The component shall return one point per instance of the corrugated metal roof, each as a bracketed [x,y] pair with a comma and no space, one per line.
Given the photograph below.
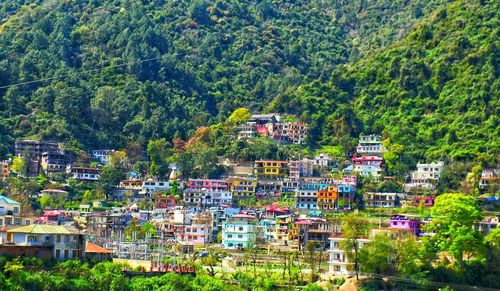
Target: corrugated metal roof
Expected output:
[44,229]
[8,200]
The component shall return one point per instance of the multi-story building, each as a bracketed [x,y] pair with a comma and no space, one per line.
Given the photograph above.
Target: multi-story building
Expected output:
[5,169]
[490,180]
[127,188]
[198,232]
[33,149]
[102,156]
[107,225]
[306,199]
[268,189]
[375,199]
[56,161]
[208,184]
[243,188]
[240,231]
[370,145]
[339,263]
[368,166]
[45,241]
[301,168]
[206,198]
[264,169]
[247,130]
[323,160]
[404,223]
[83,173]
[290,132]
[425,178]
[327,198]
[346,196]
[10,213]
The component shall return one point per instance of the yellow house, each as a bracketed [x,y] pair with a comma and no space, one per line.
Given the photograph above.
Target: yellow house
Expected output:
[271,169]
[242,187]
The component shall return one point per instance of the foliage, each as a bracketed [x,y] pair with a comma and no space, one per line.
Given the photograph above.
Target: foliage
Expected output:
[454,218]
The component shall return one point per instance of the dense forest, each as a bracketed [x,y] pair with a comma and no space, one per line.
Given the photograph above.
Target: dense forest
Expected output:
[422,73]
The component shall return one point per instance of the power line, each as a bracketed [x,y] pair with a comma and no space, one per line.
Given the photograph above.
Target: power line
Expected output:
[95,70]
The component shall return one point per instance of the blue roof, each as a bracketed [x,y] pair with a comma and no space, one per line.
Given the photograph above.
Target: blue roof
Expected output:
[8,200]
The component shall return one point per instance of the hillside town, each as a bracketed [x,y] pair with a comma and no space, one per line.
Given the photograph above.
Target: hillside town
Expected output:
[289,205]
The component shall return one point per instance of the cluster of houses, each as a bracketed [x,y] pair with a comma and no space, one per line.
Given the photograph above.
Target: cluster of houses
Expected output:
[271,126]
[195,212]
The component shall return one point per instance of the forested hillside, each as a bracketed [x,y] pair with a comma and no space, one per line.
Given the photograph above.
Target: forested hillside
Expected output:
[435,93]
[425,73]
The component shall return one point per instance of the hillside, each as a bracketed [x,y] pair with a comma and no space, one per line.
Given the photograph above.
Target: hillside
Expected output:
[435,92]
[139,70]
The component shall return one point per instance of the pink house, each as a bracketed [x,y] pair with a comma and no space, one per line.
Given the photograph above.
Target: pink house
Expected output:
[402,222]
[208,184]
[428,200]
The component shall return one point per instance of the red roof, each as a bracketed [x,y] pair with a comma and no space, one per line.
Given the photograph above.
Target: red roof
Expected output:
[367,158]
[93,248]
[303,222]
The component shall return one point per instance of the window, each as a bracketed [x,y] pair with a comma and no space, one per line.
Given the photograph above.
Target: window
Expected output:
[58,239]
[66,254]
[1,221]
[240,236]
[16,210]
[58,253]
[240,228]
[229,236]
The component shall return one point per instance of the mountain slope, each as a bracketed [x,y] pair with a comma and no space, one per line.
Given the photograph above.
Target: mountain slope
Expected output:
[436,92]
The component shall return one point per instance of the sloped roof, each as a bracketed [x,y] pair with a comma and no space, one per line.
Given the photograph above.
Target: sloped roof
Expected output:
[44,229]
[93,248]
[8,200]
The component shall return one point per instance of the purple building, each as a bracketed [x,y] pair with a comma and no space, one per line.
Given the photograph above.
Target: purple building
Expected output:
[208,184]
[401,222]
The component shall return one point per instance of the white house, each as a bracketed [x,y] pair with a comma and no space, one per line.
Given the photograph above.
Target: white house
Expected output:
[338,262]
[426,177]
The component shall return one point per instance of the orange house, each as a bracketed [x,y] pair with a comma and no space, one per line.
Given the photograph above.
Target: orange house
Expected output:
[327,199]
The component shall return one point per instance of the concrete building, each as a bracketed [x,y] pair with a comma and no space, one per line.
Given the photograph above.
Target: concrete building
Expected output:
[301,168]
[425,178]
[306,199]
[370,145]
[83,173]
[368,166]
[338,262]
[64,242]
[102,156]
[265,169]
[33,149]
[376,199]
[240,231]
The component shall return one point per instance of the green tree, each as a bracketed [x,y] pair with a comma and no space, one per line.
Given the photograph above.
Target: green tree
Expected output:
[159,151]
[454,216]
[20,166]
[354,228]
[239,116]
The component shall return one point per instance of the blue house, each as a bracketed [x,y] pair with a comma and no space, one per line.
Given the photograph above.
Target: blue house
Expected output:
[239,231]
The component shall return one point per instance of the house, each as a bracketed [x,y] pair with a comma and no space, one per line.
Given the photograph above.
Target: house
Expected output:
[427,200]
[102,156]
[327,198]
[55,217]
[164,201]
[338,263]
[404,223]
[323,160]
[108,225]
[83,173]
[33,149]
[370,145]
[63,242]
[247,130]
[301,168]
[265,118]
[306,199]
[372,199]
[240,231]
[490,180]
[368,166]
[208,184]
[290,132]
[97,253]
[268,189]
[197,232]
[273,170]
[5,168]
[56,161]
[425,178]
[242,188]
[150,186]
[127,188]
[346,194]
[10,215]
